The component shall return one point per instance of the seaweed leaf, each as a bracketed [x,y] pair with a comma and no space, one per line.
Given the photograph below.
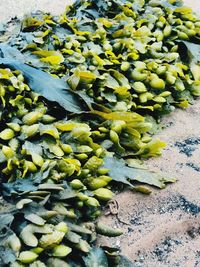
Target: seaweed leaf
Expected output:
[191,53]
[19,187]
[124,116]
[53,89]
[96,258]
[7,256]
[120,172]
[52,57]
[124,262]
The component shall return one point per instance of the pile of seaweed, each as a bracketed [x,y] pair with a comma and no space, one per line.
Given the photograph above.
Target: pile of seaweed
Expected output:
[81,95]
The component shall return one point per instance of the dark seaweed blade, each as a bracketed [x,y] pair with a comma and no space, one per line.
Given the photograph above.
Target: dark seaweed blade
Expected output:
[7,255]
[190,54]
[189,51]
[7,51]
[53,89]
[125,262]
[18,187]
[96,258]
[120,172]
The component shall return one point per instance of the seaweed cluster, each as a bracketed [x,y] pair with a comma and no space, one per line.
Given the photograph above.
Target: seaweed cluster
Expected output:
[80,96]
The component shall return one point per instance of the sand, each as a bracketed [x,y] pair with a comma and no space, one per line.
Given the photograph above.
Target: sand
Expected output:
[162,229]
